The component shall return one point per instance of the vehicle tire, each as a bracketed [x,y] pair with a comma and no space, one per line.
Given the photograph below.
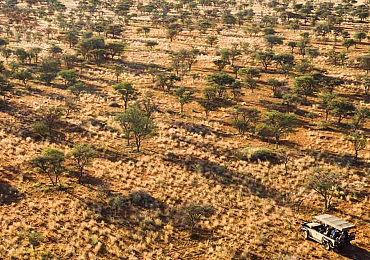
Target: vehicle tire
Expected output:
[306,235]
[327,245]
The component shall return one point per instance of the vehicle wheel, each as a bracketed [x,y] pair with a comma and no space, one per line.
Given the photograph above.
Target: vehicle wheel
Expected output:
[327,245]
[306,235]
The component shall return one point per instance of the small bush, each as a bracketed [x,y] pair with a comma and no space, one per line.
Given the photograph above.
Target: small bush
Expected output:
[311,115]
[117,203]
[258,153]
[40,129]
[188,216]
[8,193]
[143,199]
[322,125]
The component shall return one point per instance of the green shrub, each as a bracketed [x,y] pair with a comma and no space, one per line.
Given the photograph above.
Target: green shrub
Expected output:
[263,131]
[40,129]
[143,199]
[258,153]
[322,125]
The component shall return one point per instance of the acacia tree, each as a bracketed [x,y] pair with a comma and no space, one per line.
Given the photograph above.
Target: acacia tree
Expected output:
[71,38]
[324,183]
[48,70]
[265,58]
[184,96]
[276,86]
[21,54]
[115,48]
[358,141]
[304,85]
[250,83]
[34,53]
[127,91]
[183,60]
[360,117]
[171,34]
[220,82]
[221,64]
[280,124]
[208,101]
[23,75]
[359,36]
[364,61]
[326,99]
[118,70]
[272,40]
[347,43]
[136,121]
[69,77]
[50,162]
[82,156]
[151,44]
[244,117]
[49,120]
[211,40]
[341,108]
[192,214]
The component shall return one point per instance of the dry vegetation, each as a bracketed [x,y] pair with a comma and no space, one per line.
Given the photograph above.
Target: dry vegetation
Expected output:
[125,207]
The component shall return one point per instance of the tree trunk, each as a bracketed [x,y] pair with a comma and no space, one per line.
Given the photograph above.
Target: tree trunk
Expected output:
[52,181]
[128,139]
[80,176]
[326,203]
[137,144]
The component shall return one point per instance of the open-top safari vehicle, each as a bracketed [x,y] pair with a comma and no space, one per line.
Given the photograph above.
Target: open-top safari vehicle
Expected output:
[330,231]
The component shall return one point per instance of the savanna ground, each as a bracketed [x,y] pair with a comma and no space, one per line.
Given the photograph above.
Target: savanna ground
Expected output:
[190,160]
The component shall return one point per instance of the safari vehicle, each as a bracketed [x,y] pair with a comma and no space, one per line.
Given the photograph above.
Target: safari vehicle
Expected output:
[330,231]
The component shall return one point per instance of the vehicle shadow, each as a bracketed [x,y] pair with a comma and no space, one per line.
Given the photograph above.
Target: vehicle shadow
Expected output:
[354,252]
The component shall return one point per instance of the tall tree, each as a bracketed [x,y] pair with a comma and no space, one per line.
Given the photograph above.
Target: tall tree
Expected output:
[127,91]
[324,183]
[280,124]
[50,162]
[82,156]
[358,141]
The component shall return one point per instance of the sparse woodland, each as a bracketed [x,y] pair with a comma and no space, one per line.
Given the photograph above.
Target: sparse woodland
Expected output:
[182,129]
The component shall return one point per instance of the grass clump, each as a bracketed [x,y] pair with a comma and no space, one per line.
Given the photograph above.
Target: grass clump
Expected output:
[258,154]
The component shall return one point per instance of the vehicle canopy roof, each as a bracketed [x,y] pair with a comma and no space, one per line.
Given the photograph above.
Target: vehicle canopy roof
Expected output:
[334,222]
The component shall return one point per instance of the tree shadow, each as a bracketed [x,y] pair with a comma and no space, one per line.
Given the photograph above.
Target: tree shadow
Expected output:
[57,86]
[94,88]
[119,209]
[225,177]
[9,194]
[113,155]
[289,143]
[338,159]
[200,129]
[269,105]
[87,179]
[142,66]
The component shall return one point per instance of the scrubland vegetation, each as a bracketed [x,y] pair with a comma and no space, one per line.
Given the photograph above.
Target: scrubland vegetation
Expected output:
[183,129]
